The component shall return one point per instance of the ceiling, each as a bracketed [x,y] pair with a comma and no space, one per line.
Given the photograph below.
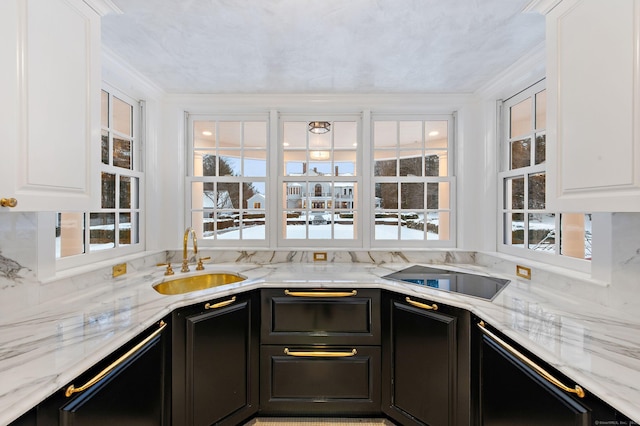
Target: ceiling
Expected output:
[328,46]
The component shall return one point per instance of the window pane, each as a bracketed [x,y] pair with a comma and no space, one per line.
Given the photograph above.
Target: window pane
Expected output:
[255,164]
[227,225]
[319,168]
[320,143]
[105,147]
[344,225]
[108,191]
[122,153]
[227,196]
[386,226]
[294,134]
[520,154]
[203,223]
[514,229]
[102,231]
[412,196]
[295,225]
[438,226]
[255,134]
[514,193]
[229,134]
[128,192]
[253,196]
[537,191]
[575,233]
[204,163]
[438,195]
[520,119]
[542,232]
[385,163]
[70,234]
[387,195]
[124,228]
[132,228]
[411,163]
[345,135]
[410,134]
[319,225]
[541,110]
[541,148]
[204,134]
[344,163]
[104,109]
[435,163]
[229,163]
[411,227]
[122,117]
[436,134]
[345,195]
[385,134]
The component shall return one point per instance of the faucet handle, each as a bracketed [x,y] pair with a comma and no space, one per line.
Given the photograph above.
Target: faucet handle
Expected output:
[169,270]
[200,266]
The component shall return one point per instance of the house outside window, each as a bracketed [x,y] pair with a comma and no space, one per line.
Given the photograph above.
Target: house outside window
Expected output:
[402,195]
[116,228]
[527,227]
[320,176]
[414,187]
[227,178]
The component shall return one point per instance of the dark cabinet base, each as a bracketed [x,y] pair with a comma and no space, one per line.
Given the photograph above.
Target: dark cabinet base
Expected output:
[309,385]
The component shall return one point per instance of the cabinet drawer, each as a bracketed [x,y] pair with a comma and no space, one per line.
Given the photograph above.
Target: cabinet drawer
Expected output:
[311,380]
[321,317]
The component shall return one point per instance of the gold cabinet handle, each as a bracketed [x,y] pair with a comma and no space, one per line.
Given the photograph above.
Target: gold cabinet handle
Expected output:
[577,390]
[220,304]
[332,354]
[432,307]
[8,202]
[72,389]
[321,293]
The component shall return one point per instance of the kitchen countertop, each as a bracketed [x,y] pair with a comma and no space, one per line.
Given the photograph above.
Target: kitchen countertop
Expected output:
[45,345]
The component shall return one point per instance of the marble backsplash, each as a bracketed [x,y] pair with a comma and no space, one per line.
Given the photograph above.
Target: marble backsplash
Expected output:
[20,286]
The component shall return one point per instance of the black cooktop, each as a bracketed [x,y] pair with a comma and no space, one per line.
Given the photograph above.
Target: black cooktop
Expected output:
[459,282]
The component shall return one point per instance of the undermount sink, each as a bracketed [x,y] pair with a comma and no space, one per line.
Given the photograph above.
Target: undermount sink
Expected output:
[183,285]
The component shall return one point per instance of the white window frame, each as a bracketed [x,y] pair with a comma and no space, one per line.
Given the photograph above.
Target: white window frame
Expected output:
[365,203]
[450,178]
[190,179]
[504,173]
[358,241]
[138,172]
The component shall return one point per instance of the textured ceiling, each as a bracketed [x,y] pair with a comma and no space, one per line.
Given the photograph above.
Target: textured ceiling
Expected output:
[328,46]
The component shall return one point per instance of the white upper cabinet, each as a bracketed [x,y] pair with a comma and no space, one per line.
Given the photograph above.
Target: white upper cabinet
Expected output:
[50,109]
[593,84]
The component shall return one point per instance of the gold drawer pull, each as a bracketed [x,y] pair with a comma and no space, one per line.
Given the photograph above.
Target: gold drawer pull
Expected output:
[432,307]
[220,304]
[577,390]
[321,293]
[71,389]
[320,353]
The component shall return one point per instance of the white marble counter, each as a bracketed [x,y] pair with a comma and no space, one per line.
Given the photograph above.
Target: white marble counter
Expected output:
[45,342]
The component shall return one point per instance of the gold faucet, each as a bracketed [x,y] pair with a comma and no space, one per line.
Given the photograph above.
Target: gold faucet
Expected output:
[185,259]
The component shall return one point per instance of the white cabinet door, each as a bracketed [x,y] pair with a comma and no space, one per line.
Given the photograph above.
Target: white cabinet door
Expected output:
[594,106]
[50,109]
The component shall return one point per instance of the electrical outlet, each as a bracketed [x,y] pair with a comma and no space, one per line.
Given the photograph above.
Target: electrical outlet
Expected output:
[119,269]
[523,272]
[320,256]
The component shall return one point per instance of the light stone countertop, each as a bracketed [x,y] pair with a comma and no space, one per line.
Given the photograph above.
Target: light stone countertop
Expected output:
[45,345]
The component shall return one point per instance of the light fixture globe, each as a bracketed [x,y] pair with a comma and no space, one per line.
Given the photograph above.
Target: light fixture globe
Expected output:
[319,127]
